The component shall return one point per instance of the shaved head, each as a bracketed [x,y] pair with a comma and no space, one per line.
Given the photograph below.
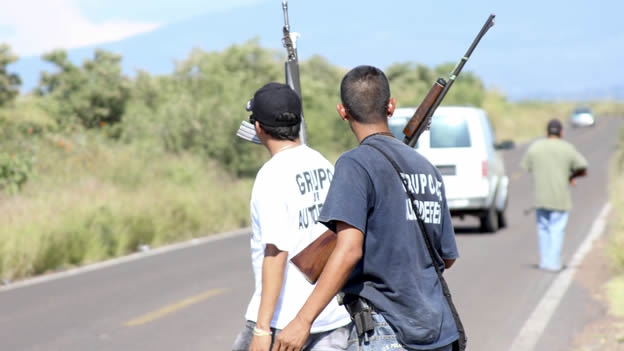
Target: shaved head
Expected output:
[365,93]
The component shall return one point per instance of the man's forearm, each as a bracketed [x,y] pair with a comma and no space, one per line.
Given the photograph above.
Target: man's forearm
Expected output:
[345,256]
[273,267]
[448,263]
[578,173]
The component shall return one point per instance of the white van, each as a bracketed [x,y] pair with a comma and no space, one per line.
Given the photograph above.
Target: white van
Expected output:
[462,145]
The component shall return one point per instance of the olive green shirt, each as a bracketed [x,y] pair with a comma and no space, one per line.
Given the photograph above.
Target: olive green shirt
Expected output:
[551,162]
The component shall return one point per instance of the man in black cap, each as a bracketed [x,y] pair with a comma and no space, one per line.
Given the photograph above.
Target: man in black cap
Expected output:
[554,164]
[287,196]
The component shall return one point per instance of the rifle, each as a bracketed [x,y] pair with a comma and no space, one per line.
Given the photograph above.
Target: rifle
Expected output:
[312,259]
[246,130]
[421,120]
[291,66]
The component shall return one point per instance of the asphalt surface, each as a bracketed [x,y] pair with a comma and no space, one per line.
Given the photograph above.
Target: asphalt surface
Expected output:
[194,298]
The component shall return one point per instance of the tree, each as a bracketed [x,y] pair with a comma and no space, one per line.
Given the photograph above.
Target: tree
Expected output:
[9,82]
[409,82]
[207,105]
[320,82]
[468,89]
[93,95]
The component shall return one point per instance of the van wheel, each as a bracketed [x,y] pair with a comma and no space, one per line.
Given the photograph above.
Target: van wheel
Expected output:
[489,220]
[502,220]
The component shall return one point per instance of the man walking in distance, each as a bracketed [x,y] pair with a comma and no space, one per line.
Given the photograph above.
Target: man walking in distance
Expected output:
[554,163]
[287,195]
[381,265]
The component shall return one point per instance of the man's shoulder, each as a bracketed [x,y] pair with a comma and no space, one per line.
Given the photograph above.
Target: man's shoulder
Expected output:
[362,154]
[301,156]
[416,159]
[266,175]
[352,155]
[544,144]
[407,158]
[312,151]
[309,149]
[565,146]
[568,144]
[536,144]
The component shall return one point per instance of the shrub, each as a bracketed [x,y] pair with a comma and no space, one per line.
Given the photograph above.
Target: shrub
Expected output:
[15,169]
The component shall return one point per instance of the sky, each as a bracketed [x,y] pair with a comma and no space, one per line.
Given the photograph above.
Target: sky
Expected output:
[32,27]
[536,47]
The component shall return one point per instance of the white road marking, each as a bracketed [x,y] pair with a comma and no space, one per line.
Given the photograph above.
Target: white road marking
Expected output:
[534,326]
[120,260]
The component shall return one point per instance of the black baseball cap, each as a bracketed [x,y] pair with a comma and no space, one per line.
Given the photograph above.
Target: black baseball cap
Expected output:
[554,127]
[271,101]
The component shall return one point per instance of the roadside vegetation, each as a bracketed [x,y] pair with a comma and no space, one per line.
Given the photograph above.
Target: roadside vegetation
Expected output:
[615,287]
[95,164]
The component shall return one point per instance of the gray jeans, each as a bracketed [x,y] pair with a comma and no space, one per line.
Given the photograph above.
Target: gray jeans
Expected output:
[382,338]
[333,340]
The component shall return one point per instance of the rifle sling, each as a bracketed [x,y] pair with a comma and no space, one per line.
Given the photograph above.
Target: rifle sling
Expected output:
[460,344]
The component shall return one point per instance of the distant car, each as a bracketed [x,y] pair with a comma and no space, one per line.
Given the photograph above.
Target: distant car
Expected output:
[582,117]
[462,145]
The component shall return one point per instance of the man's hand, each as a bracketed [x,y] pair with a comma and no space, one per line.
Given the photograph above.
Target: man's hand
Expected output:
[582,172]
[294,336]
[260,343]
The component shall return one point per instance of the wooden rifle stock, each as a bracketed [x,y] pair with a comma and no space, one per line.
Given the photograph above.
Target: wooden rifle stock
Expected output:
[312,259]
[419,121]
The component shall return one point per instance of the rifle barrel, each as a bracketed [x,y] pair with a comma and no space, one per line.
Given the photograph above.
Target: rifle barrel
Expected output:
[285,9]
[487,25]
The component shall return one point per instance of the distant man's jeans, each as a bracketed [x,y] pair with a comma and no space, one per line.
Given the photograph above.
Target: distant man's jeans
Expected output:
[551,227]
[333,340]
[382,338]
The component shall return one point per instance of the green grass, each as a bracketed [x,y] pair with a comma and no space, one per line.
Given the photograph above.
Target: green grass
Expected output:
[616,224]
[99,200]
[615,294]
[615,249]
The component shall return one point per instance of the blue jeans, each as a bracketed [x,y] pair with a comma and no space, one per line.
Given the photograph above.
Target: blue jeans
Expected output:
[332,340]
[382,338]
[550,232]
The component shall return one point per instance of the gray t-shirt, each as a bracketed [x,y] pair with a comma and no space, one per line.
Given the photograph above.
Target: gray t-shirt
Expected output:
[396,273]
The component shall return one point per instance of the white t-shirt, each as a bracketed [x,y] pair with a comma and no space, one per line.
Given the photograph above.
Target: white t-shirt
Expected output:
[286,199]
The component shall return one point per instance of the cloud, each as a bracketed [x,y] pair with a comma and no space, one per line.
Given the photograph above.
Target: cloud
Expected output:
[166,11]
[33,27]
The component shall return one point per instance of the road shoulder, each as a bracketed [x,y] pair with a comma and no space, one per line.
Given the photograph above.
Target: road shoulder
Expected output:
[605,331]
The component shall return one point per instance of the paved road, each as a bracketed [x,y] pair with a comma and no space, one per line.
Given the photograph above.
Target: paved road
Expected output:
[194,298]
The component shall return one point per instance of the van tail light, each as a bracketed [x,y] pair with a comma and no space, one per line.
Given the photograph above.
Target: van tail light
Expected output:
[484,169]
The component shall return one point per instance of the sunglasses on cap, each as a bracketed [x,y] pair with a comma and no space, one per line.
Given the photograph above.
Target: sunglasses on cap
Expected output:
[249,108]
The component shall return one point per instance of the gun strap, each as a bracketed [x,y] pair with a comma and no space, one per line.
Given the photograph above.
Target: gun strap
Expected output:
[460,344]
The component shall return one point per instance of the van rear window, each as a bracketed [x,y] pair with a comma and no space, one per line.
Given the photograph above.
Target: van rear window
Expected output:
[396,126]
[449,131]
